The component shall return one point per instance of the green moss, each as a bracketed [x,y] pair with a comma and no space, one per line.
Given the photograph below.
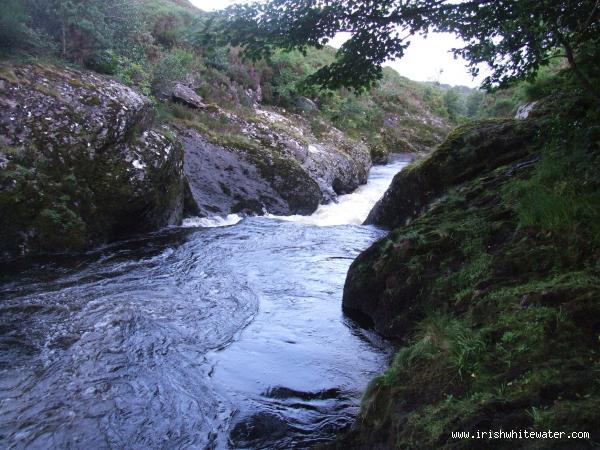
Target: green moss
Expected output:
[47,90]
[91,100]
[69,198]
[81,84]
[493,289]
[7,73]
[10,150]
[60,228]
[379,150]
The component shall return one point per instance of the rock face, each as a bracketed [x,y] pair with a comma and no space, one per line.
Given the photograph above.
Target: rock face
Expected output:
[77,169]
[222,181]
[467,153]
[268,163]
[336,163]
[416,130]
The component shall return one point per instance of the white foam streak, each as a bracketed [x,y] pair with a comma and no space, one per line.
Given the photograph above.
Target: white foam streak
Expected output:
[351,209]
[211,222]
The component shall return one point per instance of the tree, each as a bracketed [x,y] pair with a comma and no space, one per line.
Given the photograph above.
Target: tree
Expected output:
[454,104]
[475,102]
[82,27]
[14,29]
[513,37]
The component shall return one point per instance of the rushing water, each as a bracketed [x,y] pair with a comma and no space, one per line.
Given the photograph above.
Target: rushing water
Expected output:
[225,333]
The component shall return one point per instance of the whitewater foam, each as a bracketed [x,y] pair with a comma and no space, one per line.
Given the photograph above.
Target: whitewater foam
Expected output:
[353,209]
[211,222]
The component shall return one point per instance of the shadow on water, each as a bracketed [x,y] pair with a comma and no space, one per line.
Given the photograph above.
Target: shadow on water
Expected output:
[193,337]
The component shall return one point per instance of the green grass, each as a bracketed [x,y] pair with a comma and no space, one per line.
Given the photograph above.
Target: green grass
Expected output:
[440,337]
[562,196]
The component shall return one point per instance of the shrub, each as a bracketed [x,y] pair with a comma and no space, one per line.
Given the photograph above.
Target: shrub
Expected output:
[175,65]
[103,62]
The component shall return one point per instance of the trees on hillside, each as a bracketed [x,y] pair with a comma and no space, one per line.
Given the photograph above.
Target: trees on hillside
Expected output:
[75,29]
[81,27]
[513,37]
[14,30]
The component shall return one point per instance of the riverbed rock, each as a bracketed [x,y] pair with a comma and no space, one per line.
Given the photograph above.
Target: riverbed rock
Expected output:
[337,163]
[78,169]
[222,182]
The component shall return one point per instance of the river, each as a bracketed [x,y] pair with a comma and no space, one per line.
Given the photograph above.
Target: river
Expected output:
[222,333]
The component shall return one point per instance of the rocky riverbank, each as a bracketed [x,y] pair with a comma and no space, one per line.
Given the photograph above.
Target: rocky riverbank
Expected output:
[489,280]
[81,162]
[85,160]
[265,162]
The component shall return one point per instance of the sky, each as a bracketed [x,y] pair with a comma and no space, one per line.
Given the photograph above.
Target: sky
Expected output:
[425,60]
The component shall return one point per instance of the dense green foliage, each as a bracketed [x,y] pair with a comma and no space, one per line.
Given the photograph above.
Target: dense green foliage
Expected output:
[154,43]
[14,31]
[513,37]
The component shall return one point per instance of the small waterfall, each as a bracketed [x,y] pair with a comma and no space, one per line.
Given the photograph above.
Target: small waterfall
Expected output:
[350,209]
[353,209]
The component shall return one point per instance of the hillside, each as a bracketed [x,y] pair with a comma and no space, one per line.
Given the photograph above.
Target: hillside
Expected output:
[252,138]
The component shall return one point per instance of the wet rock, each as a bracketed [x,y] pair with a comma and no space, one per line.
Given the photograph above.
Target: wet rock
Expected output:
[221,181]
[258,429]
[78,169]
[282,392]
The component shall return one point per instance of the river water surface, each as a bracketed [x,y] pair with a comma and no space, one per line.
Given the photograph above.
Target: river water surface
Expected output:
[223,333]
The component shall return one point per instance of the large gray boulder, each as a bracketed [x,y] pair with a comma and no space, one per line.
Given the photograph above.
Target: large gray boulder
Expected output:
[222,181]
[77,169]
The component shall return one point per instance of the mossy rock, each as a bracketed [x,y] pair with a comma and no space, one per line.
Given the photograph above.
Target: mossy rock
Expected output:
[76,167]
[497,318]
[467,151]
